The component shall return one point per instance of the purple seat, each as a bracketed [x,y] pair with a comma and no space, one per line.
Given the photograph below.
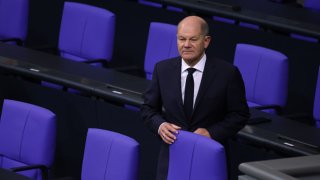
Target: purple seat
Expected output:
[249,25]
[159,5]
[27,137]
[86,33]
[312,4]
[162,44]
[150,3]
[316,107]
[110,155]
[14,21]
[265,75]
[304,38]
[224,19]
[195,157]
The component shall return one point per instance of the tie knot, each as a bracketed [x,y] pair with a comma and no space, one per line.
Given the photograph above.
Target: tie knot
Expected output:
[191,70]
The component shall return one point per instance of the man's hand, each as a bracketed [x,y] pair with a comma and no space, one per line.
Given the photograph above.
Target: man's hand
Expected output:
[168,131]
[203,132]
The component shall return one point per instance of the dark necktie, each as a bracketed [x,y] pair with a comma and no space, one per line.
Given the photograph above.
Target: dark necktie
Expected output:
[188,94]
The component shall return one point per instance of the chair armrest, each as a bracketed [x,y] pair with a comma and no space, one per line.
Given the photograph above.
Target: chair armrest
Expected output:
[95,61]
[18,41]
[43,168]
[265,107]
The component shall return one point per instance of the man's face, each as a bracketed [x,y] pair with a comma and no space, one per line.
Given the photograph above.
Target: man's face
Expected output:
[191,42]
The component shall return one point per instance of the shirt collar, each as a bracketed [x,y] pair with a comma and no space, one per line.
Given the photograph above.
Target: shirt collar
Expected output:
[199,66]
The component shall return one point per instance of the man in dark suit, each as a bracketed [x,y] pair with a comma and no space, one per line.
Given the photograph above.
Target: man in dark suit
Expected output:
[218,105]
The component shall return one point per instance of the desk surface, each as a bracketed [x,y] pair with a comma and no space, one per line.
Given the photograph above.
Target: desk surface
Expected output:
[9,175]
[106,83]
[282,135]
[268,14]
[305,167]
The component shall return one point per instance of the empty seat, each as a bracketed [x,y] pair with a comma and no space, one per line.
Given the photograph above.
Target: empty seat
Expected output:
[265,75]
[162,44]
[27,138]
[110,155]
[14,21]
[86,33]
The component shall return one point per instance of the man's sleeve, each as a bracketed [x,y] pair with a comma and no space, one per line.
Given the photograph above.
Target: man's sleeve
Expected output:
[237,110]
[152,106]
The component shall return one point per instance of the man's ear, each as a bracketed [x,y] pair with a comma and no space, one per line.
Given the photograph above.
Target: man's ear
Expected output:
[207,40]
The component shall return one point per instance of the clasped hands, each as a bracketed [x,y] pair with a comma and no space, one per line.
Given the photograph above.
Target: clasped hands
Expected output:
[168,131]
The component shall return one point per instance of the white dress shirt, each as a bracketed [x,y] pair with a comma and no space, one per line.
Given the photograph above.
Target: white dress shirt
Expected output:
[197,76]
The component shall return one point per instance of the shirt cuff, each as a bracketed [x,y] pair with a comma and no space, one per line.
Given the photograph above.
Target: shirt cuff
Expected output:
[159,127]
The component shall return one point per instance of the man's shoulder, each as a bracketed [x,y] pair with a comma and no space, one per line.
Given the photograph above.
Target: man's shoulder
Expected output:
[221,64]
[169,62]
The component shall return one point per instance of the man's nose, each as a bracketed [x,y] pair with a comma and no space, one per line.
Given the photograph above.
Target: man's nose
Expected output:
[187,43]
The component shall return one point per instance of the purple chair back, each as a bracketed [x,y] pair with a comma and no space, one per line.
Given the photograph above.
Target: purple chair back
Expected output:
[14,19]
[194,157]
[110,155]
[150,3]
[86,32]
[312,4]
[224,19]
[159,5]
[265,74]
[27,136]
[316,107]
[162,44]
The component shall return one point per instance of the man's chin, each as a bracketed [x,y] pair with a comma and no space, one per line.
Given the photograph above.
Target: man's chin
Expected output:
[188,60]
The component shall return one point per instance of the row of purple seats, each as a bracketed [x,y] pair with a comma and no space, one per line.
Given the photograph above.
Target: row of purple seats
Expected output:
[308,4]
[159,5]
[110,155]
[28,140]
[86,32]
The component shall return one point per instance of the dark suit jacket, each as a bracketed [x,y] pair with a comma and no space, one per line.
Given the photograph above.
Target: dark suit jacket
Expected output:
[220,106]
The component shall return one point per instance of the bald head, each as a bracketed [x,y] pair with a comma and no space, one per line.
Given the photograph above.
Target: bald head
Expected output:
[195,22]
[192,39]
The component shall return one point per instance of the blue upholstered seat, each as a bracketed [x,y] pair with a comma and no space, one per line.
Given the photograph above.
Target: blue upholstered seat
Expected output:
[27,137]
[265,75]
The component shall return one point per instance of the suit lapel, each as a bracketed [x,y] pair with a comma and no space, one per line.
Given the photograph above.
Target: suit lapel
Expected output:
[207,77]
[176,84]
